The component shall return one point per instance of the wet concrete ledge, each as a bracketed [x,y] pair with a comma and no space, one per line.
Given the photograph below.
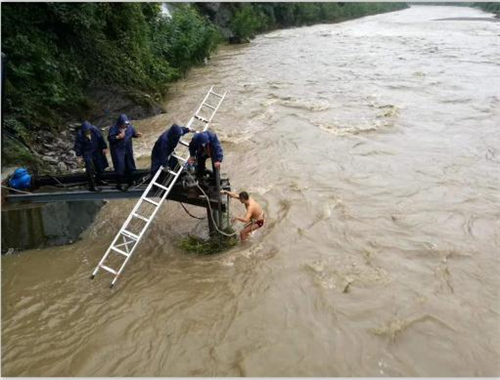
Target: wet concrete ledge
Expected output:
[29,226]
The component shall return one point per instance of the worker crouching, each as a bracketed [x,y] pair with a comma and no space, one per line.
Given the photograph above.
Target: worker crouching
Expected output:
[205,145]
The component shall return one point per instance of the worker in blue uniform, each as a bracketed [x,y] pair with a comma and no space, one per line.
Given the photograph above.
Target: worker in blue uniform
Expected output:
[164,147]
[202,146]
[120,141]
[91,148]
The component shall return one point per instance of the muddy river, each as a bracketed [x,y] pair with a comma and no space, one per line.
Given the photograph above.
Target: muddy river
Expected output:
[374,147]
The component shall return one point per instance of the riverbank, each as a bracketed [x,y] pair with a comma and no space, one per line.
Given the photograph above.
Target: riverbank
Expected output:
[35,226]
[51,151]
[44,97]
[380,255]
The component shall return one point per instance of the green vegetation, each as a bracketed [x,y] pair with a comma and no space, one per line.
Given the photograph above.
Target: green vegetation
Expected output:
[248,19]
[215,244]
[443,4]
[58,53]
[244,22]
[488,7]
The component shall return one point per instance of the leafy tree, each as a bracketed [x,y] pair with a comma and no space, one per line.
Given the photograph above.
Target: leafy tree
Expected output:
[58,52]
[488,7]
[244,22]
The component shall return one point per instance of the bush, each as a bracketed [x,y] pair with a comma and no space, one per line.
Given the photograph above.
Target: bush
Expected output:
[244,22]
[248,18]
[186,40]
[488,7]
[57,52]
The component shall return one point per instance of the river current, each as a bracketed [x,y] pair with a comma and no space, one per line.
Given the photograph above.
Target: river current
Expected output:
[373,146]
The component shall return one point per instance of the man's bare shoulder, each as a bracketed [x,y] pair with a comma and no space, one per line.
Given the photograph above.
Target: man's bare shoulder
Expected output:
[253,203]
[254,206]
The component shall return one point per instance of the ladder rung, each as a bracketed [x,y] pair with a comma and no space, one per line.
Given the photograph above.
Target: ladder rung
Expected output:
[109,269]
[130,240]
[201,118]
[209,106]
[179,158]
[130,234]
[213,93]
[120,251]
[140,217]
[160,186]
[151,201]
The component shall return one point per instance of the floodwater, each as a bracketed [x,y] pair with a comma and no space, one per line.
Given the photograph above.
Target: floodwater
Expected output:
[374,147]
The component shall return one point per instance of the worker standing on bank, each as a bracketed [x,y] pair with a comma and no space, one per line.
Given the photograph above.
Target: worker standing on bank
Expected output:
[91,148]
[122,152]
[164,147]
[202,146]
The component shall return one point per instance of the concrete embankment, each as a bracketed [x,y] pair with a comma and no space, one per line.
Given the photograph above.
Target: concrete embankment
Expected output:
[45,225]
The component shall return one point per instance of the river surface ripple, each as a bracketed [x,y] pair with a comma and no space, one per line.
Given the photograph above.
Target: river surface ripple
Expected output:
[374,147]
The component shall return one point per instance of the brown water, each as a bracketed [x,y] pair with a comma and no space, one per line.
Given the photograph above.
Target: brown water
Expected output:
[374,147]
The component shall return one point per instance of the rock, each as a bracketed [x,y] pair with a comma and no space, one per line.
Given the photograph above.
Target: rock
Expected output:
[113,101]
[61,167]
[50,160]
[7,171]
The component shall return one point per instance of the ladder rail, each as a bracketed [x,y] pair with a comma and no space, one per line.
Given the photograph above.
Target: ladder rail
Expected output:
[127,221]
[165,186]
[204,100]
[141,234]
[141,199]
[139,202]
[190,122]
[124,229]
[164,196]
[216,109]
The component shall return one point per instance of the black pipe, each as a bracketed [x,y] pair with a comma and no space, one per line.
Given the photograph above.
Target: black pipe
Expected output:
[219,201]
[109,176]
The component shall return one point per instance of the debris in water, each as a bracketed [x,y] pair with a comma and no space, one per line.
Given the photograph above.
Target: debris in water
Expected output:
[391,111]
[396,326]
[215,244]
[349,281]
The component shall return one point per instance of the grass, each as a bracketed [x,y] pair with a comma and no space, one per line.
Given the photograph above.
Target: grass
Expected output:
[217,243]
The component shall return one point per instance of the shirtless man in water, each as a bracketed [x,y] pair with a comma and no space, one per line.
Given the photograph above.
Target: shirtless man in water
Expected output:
[254,218]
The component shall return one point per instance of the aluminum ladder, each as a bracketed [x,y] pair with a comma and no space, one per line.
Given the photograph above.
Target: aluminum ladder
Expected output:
[144,211]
